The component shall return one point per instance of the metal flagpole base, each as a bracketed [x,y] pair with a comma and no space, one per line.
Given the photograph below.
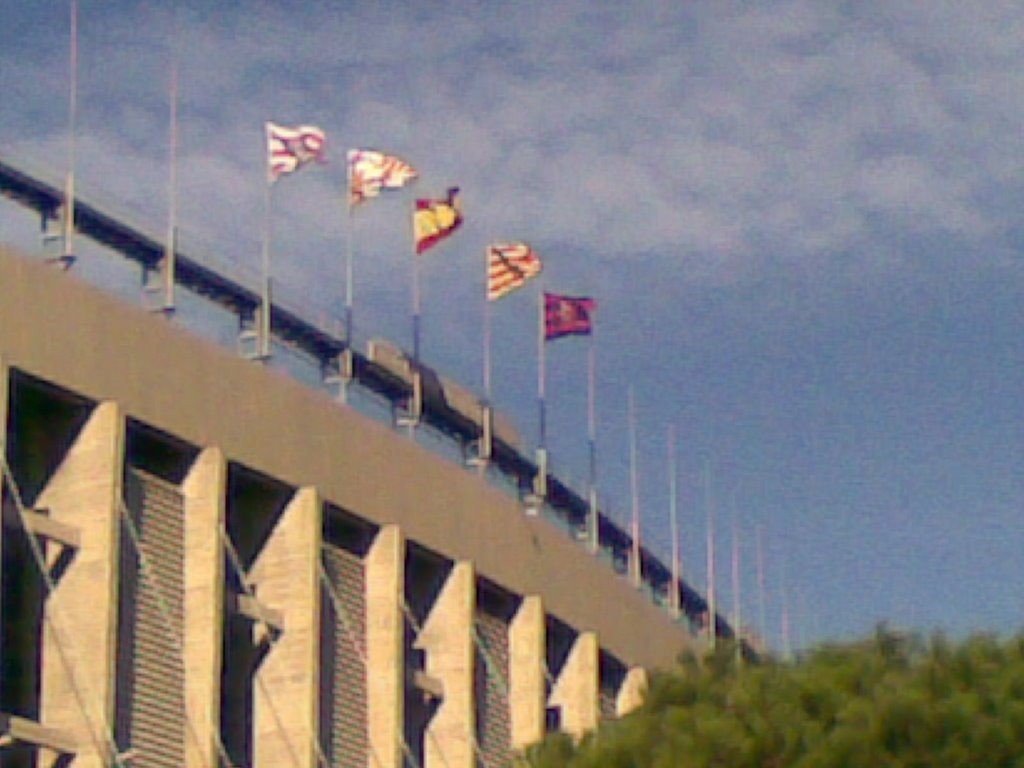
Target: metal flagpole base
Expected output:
[51,236]
[593,524]
[340,374]
[414,412]
[532,504]
[534,501]
[159,288]
[484,444]
[252,344]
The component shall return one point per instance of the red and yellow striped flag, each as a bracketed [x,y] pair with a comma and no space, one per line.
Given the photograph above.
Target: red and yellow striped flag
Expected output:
[510,266]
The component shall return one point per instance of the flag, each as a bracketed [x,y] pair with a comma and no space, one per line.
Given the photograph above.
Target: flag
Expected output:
[567,315]
[288,149]
[369,172]
[509,266]
[434,220]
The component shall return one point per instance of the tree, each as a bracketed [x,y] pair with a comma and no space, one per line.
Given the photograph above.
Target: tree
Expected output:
[890,701]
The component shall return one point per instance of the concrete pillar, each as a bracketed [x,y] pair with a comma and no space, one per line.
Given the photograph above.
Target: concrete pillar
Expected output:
[631,692]
[79,657]
[385,656]
[576,690]
[205,490]
[286,578]
[4,406]
[5,388]
[447,640]
[526,682]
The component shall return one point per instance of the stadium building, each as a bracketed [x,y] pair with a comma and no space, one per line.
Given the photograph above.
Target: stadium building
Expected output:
[206,562]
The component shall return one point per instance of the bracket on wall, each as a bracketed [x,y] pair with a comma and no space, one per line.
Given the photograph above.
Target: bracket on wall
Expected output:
[17,731]
[269,622]
[39,523]
[431,687]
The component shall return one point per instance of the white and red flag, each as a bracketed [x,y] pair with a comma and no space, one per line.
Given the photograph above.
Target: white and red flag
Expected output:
[510,266]
[370,171]
[288,149]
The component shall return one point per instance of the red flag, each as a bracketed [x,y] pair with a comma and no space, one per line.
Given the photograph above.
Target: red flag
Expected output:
[567,315]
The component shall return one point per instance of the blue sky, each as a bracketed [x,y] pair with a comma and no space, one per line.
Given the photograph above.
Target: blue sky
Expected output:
[800,220]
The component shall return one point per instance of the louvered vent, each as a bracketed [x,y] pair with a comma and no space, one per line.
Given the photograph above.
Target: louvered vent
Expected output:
[493,728]
[150,694]
[613,673]
[344,681]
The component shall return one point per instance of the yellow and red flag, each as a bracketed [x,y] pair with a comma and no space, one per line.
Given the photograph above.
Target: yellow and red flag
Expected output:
[435,219]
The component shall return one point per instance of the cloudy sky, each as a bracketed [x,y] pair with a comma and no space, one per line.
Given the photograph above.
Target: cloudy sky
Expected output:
[801,221]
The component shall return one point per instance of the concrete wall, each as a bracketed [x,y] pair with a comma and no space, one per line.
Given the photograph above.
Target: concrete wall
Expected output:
[62,330]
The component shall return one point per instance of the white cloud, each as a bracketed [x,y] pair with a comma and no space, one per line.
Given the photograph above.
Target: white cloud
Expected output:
[751,190]
[727,131]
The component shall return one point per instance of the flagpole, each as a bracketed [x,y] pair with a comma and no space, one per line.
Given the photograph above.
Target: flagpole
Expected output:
[540,483]
[736,599]
[263,351]
[415,410]
[69,187]
[541,367]
[349,271]
[486,423]
[636,568]
[487,333]
[760,587]
[416,308]
[595,533]
[171,244]
[712,608]
[787,649]
[347,356]
[674,597]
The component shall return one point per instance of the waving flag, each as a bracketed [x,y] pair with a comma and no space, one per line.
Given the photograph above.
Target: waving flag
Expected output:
[509,266]
[434,220]
[288,149]
[369,172]
[567,315]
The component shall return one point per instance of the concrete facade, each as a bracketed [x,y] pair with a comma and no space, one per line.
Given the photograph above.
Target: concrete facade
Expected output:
[258,458]
[526,673]
[446,639]
[286,575]
[78,653]
[204,488]
[385,662]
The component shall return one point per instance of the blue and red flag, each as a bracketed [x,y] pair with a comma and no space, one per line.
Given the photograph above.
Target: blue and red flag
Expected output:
[567,315]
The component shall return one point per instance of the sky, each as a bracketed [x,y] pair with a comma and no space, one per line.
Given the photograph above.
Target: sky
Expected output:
[800,220]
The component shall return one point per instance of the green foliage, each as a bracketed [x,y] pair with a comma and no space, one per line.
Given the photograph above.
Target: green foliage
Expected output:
[892,701]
